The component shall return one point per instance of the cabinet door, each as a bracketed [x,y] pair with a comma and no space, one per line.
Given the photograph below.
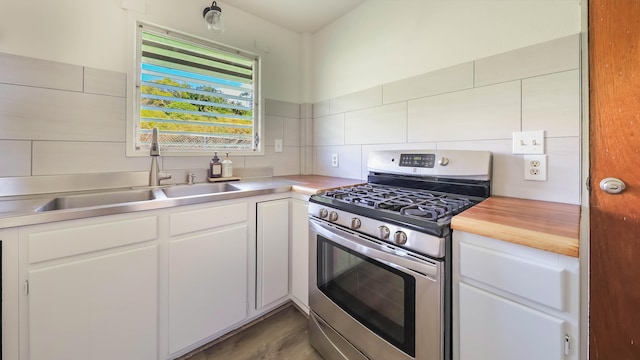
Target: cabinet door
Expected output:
[272,251]
[495,328]
[104,307]
[300,252]
[207,285]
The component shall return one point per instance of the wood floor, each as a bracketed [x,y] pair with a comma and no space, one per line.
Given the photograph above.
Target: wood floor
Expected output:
[282,336]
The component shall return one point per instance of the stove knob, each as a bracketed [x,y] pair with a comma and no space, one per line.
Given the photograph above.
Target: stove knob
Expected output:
[384,232]
[323,213]
[333,216]
[400,238]
[443,161]
[355,223]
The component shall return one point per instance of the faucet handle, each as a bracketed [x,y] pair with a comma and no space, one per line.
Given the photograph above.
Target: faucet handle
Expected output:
[191,178]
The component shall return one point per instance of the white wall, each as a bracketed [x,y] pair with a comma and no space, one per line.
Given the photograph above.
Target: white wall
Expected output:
[100,34]
[386,40]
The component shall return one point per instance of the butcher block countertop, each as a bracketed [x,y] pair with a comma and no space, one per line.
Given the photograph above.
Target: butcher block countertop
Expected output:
[542,225]
[311,184]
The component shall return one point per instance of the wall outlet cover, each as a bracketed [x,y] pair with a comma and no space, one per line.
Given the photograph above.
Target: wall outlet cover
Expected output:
[535,167]
[334,160]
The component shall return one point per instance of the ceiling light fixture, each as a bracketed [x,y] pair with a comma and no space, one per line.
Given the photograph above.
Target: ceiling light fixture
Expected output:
[213,16]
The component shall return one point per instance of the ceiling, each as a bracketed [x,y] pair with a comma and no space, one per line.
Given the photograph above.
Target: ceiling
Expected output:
[297,15]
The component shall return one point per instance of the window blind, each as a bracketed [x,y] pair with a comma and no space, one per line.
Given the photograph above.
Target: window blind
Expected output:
[199,97]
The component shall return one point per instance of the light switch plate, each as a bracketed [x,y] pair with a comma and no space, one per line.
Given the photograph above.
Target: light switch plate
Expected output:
[528,142]
[278,145]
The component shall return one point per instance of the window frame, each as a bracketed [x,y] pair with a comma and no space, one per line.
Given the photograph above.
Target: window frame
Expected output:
[134,126]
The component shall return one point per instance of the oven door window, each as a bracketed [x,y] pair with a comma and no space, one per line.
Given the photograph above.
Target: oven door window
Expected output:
[379,296]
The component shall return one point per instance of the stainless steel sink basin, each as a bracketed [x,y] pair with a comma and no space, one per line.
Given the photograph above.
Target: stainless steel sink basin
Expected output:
[98,199]
[198,189]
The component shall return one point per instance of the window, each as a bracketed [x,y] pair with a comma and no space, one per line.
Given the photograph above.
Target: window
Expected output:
[201,96]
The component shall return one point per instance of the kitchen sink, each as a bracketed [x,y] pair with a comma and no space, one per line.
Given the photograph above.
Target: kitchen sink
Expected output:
[198,189]
[97,199]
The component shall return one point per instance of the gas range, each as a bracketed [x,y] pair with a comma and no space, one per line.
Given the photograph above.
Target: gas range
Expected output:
[410,196]
[380,279]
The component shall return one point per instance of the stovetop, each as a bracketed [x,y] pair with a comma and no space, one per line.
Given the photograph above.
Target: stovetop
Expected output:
[423,204]
[416,190]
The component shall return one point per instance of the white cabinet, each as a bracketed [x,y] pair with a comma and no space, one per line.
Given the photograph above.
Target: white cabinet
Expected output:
[272,249]
[513,302]
[300,253]
[492,327]
[207,273]
[92,289]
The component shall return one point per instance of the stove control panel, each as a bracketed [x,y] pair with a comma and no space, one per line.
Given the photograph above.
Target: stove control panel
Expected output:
[418,160]
[467,164]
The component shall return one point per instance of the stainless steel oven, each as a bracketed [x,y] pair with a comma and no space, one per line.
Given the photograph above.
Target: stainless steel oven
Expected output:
[380,269]
[372,290]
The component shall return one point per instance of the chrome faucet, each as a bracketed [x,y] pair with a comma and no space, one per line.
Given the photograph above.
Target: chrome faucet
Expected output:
[155,176]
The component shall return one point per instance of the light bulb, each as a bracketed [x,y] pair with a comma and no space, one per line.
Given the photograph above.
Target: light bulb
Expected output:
[213,17]
[214,21]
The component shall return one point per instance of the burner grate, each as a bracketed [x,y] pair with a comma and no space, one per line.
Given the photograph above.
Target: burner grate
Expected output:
[424,204]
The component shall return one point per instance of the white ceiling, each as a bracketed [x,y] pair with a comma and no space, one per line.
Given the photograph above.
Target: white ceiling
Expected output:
[297,15]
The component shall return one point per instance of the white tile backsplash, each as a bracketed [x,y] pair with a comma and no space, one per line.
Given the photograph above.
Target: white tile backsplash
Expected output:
[16,158]
[563,160]
[489,112]
[535,88]
[328,130]
[273,129]
[546,58]
[78,157]
[442,81]
[286,162]
[349,161]
[29,113]
[322,108]
[552,103]
[356,101]
[104,82]
[291,131]
[20,70]
[378,125]
[282,108]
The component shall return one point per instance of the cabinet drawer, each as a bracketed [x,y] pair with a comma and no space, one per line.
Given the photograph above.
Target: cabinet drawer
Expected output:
[495,328]
[80,237]
[202,219]
[540,283]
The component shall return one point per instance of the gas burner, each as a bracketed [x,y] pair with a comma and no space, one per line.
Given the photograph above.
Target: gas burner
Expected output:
[425,204]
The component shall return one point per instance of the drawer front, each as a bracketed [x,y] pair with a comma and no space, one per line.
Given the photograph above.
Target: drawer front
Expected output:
[495,328]
[83,237]
[208,218]
[522,277]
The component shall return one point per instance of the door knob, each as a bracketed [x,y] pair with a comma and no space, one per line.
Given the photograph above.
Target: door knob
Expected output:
[612,185]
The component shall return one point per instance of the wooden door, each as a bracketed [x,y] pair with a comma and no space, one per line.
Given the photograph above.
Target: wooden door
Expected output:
[614,76]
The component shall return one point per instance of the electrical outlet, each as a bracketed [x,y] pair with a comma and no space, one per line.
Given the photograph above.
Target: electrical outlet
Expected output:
[528,142]
[334,160]
[535,167]
[278,145]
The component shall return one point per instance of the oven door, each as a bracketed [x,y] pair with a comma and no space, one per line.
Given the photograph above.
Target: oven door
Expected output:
[381,300]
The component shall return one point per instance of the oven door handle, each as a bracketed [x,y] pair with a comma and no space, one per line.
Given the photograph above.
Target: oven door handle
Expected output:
[384,253]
